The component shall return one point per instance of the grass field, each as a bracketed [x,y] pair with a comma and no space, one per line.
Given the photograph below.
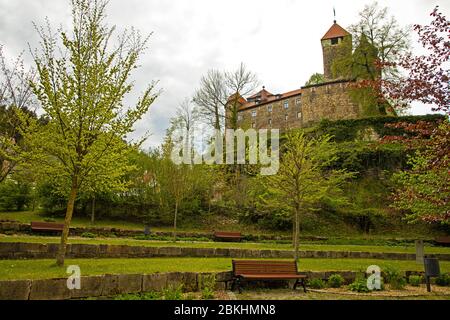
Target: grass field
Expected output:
[243,245]
[46,268]
[342,232]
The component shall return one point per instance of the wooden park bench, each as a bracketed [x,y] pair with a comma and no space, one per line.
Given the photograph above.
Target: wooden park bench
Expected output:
[223,235]
[266,270]
[443,241]
[46,226]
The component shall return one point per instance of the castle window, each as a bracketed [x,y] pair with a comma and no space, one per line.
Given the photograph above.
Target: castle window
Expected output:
[299,115]
[269,108]
[239,117]
[298,101]
[286,104]
[269,122]
[286,117]
[254,113]
[335,41]
[253,125]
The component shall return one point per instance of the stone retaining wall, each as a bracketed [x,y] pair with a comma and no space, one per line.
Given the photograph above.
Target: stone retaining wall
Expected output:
[21,250]
[110,285]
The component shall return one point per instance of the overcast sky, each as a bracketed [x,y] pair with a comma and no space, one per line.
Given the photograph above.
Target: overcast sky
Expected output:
[279,40]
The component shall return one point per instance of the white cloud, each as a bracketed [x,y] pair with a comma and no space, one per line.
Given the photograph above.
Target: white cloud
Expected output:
[277,39]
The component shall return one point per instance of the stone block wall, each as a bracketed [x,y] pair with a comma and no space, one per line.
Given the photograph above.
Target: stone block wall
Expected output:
[115,284]
[20,250]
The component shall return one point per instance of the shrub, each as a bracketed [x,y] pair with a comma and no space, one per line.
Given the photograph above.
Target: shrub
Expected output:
[207,285]
[49,220]
[394,278]
[316,283]
[443,280]
[335,281]
[359,285]
[139,296]
[88,235]
[173,293]
[415,281]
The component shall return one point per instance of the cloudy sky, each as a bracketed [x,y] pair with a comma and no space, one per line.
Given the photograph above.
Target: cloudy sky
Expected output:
[279,40]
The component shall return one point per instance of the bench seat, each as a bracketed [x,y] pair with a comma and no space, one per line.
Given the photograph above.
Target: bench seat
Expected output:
[266,270]
[46,226]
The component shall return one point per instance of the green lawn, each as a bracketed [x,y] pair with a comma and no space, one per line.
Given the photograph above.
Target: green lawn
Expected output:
[28,216]
[243,245]
[46,268]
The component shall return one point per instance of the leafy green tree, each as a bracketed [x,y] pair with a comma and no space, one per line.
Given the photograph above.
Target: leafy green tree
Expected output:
[303,178]
[423,191]
[316,78]
[15,93]
[383,32]
[81,92]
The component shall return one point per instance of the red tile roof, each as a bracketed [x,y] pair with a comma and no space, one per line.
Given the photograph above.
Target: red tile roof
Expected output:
[270,99]
[335,31]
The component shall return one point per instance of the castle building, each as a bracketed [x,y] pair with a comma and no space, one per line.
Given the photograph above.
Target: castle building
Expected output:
[307,105]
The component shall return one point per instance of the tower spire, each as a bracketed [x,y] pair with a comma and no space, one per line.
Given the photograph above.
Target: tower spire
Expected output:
[334,14]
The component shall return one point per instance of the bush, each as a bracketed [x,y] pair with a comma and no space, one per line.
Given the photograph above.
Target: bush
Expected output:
[415,281]
[443,280]
[394,277]
[139,296]
[88,235]
[316,283]
[173,293]
[49,220]
[207,285]
[335,281]
[359,285]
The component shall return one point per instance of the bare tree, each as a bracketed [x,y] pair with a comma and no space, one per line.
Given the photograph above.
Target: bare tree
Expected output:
[219,93]
[210,98]
[15,93]
[383,32]
[185,120]
[239,83]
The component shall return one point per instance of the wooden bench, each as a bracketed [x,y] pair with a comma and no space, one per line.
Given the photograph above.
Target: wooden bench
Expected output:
[443,241]
[223,235]
[265,270]
[46,226]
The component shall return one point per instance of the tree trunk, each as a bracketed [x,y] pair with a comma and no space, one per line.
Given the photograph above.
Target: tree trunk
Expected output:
[65,233]
[93,210]
[297,232]
[175,222]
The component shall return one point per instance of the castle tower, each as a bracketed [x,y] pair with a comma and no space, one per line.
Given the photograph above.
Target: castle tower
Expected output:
[335,43]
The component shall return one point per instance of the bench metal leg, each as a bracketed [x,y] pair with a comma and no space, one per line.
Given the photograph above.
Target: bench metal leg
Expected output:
[236,283]
[295,285]
[304,285]
[302,282]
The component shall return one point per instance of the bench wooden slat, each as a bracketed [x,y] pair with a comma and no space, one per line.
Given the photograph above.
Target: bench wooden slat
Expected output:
[46,226]
[443,240]
[227,235]
[266,270]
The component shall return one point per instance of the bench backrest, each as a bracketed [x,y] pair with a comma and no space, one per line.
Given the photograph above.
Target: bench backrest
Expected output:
[227,234]
[443,240]
[242,267]
[46,225]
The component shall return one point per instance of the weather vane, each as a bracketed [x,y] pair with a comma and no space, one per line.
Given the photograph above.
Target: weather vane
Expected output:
[334,13]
